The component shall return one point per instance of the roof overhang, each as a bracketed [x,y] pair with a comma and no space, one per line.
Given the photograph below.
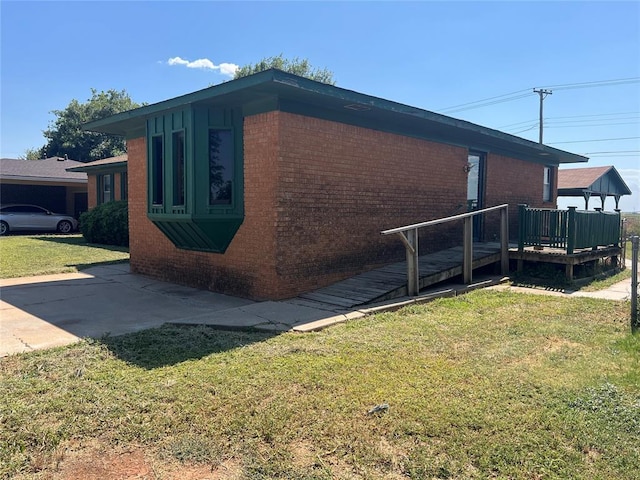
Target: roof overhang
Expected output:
[21,179]
[105,167]
[274,89]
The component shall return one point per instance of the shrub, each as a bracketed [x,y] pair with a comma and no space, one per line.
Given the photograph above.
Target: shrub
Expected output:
[107,223]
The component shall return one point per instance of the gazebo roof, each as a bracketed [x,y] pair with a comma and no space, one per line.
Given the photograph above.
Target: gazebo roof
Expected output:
[597,181]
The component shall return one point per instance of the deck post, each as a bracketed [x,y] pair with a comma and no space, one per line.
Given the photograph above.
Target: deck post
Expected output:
[467,249]
[571,230]
[504,241]
[413,271]
[522,211]
[569,272]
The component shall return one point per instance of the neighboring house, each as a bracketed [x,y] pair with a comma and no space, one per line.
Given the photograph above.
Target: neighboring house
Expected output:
[273,184]
[45,182]
[107,179]
[601,182]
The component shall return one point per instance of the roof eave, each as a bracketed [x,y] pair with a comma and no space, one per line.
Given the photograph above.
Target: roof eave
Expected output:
[283,83]
[96,168]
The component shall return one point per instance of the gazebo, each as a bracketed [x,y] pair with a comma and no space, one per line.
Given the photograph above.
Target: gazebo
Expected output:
[602,182]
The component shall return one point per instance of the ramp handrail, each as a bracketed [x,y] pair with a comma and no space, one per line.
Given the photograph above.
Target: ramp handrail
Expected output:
[409,236]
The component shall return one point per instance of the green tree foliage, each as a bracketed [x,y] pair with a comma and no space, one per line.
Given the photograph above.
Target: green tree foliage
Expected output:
[32,154]
[296,66]
[65,134]
[107,223]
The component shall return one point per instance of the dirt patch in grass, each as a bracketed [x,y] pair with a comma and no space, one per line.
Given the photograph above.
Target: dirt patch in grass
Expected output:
[95,460]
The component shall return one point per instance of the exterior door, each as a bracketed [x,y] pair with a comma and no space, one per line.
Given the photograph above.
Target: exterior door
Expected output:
[475,189]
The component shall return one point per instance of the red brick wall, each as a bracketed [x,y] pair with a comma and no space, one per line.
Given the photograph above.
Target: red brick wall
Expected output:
[514,181]
[248,266]
[92,191]
[317,195]
[340,185]
[117,186]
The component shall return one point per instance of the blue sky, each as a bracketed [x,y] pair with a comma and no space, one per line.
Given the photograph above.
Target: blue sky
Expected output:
[431,55]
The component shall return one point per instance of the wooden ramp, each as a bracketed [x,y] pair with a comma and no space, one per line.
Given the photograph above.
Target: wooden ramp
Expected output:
[391,281]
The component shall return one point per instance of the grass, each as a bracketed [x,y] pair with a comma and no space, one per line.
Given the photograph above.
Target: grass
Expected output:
[23,255]
[488,385]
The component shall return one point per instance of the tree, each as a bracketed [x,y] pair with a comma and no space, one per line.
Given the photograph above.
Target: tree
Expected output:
[295,66]
[31,154]
[66,136]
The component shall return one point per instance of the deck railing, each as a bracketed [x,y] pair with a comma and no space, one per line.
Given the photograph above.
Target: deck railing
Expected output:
[409,237]
[567,229]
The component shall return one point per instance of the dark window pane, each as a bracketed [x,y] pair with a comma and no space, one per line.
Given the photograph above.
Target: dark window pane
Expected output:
[124,186]
[178,168]
[157,193]
[220,167]
[106,188]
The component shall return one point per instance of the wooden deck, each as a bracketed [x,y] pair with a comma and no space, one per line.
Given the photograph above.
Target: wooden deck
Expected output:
[558,255]
[391,281]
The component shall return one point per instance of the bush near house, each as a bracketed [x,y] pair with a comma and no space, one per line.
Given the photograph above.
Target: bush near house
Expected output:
[107,224]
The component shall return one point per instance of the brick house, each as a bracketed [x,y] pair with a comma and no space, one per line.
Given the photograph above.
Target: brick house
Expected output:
[272,185]
[106,179]
[45,182]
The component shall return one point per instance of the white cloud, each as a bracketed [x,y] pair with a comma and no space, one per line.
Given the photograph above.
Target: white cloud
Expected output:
[228,69]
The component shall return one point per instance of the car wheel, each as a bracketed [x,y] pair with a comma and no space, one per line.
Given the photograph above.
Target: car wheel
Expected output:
[65,226]
[4,228]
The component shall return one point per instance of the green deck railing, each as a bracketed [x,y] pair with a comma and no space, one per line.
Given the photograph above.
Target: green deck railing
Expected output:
[567,229]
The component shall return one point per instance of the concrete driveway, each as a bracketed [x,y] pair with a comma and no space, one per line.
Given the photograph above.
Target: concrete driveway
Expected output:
[54,310]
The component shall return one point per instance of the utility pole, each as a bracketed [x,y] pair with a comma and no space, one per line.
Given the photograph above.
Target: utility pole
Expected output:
[543,94]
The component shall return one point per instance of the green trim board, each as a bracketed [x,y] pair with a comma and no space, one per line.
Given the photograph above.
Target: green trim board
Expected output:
[274,89]
[115,167]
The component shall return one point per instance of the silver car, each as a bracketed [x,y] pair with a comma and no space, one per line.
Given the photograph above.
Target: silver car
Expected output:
[32,217]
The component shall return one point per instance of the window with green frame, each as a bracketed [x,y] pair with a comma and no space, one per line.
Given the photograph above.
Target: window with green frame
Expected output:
[105,188]
[178,167]
[221,171]
[124,186]
[157,170]
[195,191]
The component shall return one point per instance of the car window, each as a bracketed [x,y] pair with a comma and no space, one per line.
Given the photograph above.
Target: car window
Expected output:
[11,209]
[34,209]
[23,209]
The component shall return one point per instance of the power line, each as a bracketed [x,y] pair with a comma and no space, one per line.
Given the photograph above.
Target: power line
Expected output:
[525,130]
[485,99]
[596,140]
[598,115]
[515,125]
[486,104]
[587,122]
[508,97]
[597,83]
[614,151]
[592,125]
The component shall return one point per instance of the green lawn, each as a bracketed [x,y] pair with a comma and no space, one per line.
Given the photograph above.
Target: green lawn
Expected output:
[22,255]
[487,385]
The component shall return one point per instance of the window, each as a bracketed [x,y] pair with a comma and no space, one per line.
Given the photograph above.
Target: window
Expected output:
[124,186]
[105,188]
[547,195]
[194,176]
[220,167]
[157,170]
[178,168]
